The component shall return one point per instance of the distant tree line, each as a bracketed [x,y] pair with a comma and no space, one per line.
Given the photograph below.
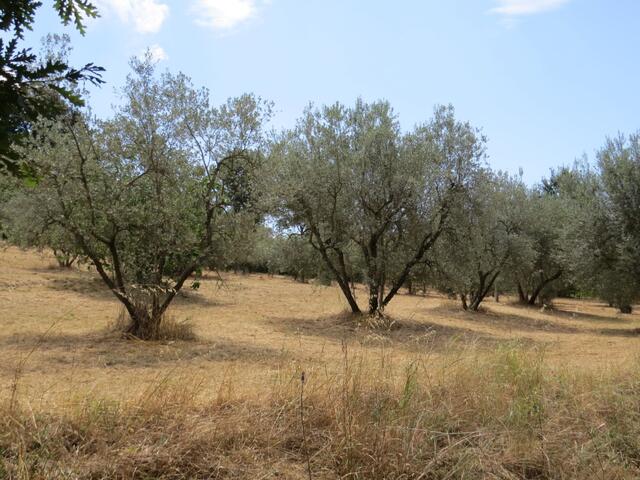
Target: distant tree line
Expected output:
[171,185]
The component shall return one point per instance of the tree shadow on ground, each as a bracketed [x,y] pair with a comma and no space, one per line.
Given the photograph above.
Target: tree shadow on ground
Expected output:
[192,297]
[105,350]
[86,285]
[514,322]
[504,321]
[588,317]
[562,309]
[403,333]
[620,332]
[91,286]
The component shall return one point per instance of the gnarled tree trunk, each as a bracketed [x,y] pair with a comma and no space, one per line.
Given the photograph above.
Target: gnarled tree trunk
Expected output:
[338,267]
[544,281]
[146,311]
[144,325]
[64,259]
[463,300]
[374,295]
[522,295]
[532,298]
[486,281]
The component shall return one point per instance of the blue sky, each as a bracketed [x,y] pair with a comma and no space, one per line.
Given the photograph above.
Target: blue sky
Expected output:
[546,80]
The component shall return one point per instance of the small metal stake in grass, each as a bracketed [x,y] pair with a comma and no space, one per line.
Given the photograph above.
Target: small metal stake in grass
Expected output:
[304,435]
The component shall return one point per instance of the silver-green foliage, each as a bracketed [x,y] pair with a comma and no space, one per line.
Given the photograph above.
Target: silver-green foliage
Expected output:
[354,183]
[537,267]
[484,234]
[605,229]
[151,195]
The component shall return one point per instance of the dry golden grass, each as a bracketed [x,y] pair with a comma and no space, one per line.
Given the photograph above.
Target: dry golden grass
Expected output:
[511,392]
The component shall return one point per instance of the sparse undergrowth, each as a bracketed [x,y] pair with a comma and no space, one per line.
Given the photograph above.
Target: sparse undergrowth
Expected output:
[169,328]
[502,415]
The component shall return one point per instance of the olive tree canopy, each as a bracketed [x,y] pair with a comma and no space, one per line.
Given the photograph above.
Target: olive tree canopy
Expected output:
[150,195]
[352,180]
[484,233]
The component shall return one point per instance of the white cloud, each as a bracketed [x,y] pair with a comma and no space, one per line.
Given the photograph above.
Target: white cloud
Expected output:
[146,16]
[224,14]
[157,53]
[519,8]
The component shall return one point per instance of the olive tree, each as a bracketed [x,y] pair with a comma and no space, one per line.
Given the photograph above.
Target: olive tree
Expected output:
[483,235]
[34,231]
[298,258]
[539,263]
[608,264]
[604,227]
[149,195]
[349,178]
[619,164]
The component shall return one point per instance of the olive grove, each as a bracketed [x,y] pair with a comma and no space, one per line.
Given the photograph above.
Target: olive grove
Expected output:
[150,195]
[170,185]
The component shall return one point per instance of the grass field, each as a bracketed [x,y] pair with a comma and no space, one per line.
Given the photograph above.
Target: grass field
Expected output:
[509,392]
